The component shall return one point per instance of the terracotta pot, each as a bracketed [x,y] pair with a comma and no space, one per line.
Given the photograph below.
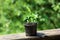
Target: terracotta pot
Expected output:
[31,29]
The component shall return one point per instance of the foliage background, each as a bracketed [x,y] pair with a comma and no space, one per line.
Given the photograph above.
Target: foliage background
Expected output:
[14,13]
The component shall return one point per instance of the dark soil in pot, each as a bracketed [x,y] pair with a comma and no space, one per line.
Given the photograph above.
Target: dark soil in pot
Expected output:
[31,29]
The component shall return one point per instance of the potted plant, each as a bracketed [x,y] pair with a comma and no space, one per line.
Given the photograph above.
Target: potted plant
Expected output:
[31,26]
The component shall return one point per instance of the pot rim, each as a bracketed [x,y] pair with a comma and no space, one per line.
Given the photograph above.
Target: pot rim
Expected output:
[30,24]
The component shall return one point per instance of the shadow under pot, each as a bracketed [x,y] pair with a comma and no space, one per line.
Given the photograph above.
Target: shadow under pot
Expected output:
[31,29]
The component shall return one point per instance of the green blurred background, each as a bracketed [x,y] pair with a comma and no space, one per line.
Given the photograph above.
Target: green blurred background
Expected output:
[14,13]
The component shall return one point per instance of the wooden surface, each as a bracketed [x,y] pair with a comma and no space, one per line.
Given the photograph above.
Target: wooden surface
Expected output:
[53,34]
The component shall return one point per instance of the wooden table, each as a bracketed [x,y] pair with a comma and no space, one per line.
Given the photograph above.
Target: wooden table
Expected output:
[53,34]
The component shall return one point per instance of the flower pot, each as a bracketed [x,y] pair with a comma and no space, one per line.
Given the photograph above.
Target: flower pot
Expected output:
[31,29]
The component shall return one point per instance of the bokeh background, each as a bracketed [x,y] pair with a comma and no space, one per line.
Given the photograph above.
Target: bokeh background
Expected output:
[14,13]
